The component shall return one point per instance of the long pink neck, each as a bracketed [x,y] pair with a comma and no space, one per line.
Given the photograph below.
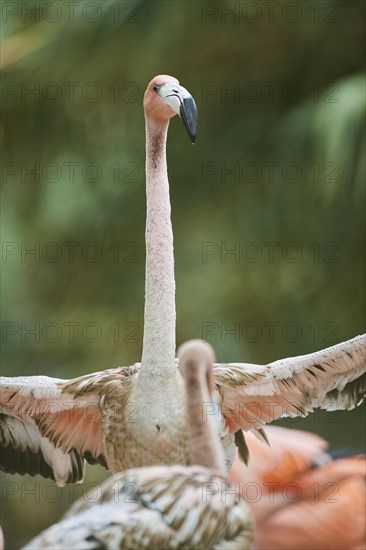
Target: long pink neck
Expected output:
[158,354]
[206,449]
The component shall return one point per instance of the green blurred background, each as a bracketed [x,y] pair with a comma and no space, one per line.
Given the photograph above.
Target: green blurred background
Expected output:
[277,175]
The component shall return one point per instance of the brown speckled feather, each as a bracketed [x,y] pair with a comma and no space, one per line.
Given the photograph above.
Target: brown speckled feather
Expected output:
[156,507]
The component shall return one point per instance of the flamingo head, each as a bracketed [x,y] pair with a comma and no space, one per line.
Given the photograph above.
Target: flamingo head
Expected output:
[196,359]
[165,98]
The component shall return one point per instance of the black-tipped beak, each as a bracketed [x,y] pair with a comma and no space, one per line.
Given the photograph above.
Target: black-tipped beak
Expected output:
[189,115]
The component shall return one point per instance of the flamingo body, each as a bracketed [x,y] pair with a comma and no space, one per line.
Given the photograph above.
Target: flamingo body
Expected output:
[174,507]
[303,506]
[135,416]
[49,426]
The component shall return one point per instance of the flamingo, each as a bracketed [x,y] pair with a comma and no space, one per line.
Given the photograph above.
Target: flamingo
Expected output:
[133,416]
[301,497]
[165,506]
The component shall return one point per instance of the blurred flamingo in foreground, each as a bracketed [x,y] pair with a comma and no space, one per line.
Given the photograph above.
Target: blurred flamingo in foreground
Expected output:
[300,496]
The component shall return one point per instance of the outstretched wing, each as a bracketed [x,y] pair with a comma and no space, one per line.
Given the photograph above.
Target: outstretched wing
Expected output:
[332,379]
[49,426]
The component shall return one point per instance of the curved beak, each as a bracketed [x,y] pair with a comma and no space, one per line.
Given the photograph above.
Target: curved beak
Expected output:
[189,115]
[183,104]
